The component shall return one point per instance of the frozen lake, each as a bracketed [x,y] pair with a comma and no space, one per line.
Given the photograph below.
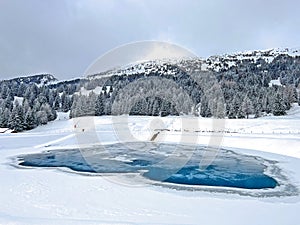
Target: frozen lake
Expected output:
[167,163]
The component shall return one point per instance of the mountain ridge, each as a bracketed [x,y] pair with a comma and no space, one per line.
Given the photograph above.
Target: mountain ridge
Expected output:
[40,79]
[215,63]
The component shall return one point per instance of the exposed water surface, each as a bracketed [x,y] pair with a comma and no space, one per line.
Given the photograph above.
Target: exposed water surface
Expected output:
[168,163]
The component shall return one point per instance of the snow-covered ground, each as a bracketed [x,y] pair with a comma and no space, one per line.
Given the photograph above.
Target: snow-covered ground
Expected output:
[275,82]
[5,130]
[54,196]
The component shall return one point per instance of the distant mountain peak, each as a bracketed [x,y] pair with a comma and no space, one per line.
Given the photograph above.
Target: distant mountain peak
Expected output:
[213,63]
[39,79]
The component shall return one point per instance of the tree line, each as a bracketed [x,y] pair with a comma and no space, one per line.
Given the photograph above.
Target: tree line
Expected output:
[235,92]
[33,107]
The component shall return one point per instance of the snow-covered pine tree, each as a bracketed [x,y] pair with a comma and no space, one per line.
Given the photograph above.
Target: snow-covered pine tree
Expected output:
[278,107]
[41,118]
[155,107]
[247,107]
[4,91]
[99,105]
[16,119]
[204,107]
[65,102]
[51,115]
[57,102]
[4,118]
[90,104]
[165,108]
[258,107]
[29,120]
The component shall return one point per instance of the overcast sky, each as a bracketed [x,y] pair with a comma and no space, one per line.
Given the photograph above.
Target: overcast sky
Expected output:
[63,37]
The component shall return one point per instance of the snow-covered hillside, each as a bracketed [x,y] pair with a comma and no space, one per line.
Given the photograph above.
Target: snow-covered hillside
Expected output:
[226,61]
[39,79]
[212,63]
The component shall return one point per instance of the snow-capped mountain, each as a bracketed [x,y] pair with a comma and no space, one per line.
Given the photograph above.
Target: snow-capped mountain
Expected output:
[39,79]
[217,63]
[162,67]
[213,63]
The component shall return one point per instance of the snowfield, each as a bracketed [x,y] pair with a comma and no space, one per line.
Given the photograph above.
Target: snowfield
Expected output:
[60,196]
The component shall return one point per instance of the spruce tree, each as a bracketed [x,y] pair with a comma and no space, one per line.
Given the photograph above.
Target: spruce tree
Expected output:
[5,117]
[165,108]
[204,108]
[156,107]
[57,102]
[99,106]
[3,122]
[90,104]
[247,107]
[278,107]
[65,102]
[41,118]
[29,121]
[16,120]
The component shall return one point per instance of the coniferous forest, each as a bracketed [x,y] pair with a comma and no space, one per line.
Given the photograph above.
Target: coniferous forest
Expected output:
[180,88]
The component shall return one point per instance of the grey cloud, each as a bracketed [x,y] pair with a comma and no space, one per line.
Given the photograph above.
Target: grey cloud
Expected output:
[63,37]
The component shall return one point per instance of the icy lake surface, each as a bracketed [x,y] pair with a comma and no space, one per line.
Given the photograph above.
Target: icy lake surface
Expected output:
[169,163]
